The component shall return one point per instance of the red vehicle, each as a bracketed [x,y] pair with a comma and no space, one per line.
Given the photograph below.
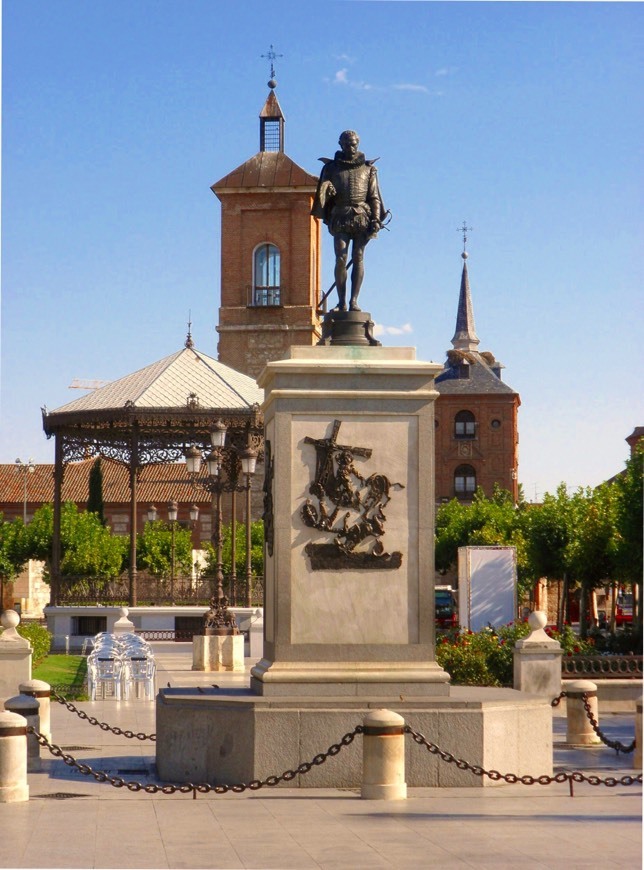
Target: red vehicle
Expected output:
[445,612]
[624,609]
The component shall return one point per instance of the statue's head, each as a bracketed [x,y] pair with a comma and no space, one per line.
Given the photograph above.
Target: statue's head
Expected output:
[349,141]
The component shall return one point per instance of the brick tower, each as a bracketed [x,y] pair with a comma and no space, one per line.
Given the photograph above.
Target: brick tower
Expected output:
[270,253]
[476,415]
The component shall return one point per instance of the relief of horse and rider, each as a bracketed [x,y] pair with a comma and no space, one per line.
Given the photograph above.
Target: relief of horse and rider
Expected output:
[349,506]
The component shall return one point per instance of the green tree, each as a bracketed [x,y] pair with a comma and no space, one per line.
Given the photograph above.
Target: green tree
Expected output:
[154,549]
[14,552]
[548,533]
[95,496]
[88,548]
[486,522]
[628,519]
[256,551]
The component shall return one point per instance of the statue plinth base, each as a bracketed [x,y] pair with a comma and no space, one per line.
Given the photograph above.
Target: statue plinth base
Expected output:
[348,328]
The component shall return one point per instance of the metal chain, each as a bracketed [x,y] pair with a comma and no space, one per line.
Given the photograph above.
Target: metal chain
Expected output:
[613,744]
[512,778]
[202,787]
[556,701]
[121,732]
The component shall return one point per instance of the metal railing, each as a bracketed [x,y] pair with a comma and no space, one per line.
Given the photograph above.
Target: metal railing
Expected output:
[604,667]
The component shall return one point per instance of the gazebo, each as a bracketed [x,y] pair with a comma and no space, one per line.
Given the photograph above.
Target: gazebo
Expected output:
[180,408]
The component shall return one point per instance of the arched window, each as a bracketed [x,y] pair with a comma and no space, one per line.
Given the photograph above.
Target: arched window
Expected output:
[266,275]
[464,480]
[464,425]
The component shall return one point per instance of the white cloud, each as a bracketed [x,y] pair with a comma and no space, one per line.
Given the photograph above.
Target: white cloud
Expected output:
[446,71]
[380,329]
[409,87]
[342,78]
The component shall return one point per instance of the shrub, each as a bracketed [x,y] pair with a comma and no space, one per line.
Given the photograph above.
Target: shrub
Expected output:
[39,638]
[486,657]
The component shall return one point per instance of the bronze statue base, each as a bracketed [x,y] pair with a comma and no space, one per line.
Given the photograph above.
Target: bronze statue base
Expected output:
[342,328]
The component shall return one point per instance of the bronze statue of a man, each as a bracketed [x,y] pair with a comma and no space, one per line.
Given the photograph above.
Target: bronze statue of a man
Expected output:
[348,201]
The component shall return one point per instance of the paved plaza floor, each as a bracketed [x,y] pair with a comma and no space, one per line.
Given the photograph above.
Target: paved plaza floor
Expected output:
[73,821]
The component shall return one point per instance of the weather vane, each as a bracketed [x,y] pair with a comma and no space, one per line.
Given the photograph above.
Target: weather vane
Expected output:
[189,341]
[465,230]
[271,55]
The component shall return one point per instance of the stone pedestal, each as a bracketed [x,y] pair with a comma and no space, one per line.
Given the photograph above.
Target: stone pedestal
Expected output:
[212,653]
[123,624]
[537,660]
[15,655]
[349,615]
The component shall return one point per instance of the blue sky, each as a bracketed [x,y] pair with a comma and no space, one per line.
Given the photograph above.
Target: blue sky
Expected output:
[524,119]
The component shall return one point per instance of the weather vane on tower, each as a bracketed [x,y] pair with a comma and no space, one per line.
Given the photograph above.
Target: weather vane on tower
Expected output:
[465,230]
[271,55]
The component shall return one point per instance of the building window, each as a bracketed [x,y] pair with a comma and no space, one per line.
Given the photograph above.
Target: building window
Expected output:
[266,275]
[464,425]
[464,480]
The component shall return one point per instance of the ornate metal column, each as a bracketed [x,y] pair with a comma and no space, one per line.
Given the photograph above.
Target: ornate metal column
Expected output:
[134,469]
[59,473]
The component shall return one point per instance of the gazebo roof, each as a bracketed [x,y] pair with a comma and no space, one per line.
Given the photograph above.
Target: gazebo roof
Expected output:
[151,415]
[169,383]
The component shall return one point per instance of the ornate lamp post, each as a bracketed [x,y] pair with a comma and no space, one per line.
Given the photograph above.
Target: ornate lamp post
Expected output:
[173,513]
[27,468]
[218,621]
[248,459]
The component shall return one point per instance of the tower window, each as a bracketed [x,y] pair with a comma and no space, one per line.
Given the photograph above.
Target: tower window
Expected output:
[266,283]
[465,425]
[464,480]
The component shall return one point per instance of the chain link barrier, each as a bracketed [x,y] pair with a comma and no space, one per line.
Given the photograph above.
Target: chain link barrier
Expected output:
[304,768]
[612,744]
[511,778]
[202,787]
[121,732]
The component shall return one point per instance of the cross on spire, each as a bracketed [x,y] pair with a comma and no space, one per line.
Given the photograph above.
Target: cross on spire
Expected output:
[465,230]
[271,55]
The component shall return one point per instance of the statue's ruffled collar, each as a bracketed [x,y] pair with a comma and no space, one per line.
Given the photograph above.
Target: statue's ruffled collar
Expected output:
[358,160]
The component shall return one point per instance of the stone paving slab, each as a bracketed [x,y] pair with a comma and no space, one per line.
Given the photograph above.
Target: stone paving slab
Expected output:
[511,826]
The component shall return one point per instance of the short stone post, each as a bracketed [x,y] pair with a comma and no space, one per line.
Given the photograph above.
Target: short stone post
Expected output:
[13,758]
[15,655]
[579,731]
[383,756]
[123,625]
[28,707]
[42,691]
[537,660]
[637,757]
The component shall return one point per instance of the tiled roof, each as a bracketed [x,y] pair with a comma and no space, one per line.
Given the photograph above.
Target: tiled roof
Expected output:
[157,484]
[267,169]
[168,383]
[482,379]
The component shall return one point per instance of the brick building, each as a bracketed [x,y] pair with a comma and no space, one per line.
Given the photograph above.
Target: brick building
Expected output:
[476,415]
[270,253]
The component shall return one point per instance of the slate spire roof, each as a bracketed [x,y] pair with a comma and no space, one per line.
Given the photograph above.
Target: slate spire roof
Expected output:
[465,337]
[468,371]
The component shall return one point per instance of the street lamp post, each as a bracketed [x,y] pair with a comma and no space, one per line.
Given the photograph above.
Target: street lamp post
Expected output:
[27,468]
[248,459]
[173,513]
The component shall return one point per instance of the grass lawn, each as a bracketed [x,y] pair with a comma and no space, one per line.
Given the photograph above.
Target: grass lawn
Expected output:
[66,672]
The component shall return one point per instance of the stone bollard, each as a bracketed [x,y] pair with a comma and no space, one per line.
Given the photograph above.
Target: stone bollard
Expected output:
[15,654]
[42,691]
[383,757]
[637,757]
[579,731]
[29,707]
[537,660]
[13,758]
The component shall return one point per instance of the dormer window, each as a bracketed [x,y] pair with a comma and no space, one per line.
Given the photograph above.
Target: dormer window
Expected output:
[464,425]
[266,276]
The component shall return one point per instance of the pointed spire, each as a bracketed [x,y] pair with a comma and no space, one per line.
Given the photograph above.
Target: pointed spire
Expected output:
[189,342]
[465,337]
